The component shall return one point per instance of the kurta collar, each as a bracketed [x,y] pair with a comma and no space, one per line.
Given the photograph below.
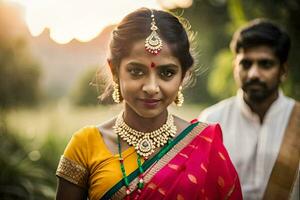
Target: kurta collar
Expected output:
[247,112]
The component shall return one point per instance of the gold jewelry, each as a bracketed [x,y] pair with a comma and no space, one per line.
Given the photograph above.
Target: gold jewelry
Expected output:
[179,98]
[145,143]
[153,43]
[116,93]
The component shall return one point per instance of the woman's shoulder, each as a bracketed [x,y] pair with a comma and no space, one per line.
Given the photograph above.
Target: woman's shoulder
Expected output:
[94,130]
[106,128]
[107,125]
[85,132]
[82,137]
[209,130]
[181,124]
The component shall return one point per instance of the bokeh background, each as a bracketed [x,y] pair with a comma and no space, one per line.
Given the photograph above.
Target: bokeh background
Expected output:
[51,51]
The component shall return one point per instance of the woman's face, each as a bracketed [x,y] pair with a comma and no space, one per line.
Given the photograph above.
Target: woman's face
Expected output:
[149,83]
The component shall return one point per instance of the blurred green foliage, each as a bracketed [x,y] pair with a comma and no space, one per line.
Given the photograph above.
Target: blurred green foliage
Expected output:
[21,175]
[222,86]
[85,91]
[19,75]
[19,72]
[26,173]
[90,86]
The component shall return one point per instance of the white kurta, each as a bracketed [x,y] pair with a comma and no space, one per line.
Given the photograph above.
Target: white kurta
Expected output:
[253,147]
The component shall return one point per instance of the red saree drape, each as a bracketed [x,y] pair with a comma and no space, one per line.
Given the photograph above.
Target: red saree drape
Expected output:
[201,170]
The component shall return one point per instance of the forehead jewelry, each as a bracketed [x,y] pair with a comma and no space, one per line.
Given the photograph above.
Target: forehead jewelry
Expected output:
[153,43]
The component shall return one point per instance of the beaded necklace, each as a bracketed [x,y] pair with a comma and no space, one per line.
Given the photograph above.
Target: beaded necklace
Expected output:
[140,184]
[145,142]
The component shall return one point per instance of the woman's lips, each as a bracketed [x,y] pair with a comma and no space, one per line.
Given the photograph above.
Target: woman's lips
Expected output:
[150,103]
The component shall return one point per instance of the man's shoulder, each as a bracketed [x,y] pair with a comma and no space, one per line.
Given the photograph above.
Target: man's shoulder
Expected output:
[218,107]
[213,112]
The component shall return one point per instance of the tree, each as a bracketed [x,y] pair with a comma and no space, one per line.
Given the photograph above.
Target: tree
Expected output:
[19,72]
[220,81]
[88,88]
[208,18]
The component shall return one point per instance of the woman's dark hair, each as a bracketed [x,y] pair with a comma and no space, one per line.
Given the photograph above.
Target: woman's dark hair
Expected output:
[136,26]
[262,32]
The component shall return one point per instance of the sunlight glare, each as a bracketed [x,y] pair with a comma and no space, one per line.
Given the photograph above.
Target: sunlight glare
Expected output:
[82,20]
[172,4]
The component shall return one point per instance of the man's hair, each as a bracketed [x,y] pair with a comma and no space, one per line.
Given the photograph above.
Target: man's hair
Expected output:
[262,32]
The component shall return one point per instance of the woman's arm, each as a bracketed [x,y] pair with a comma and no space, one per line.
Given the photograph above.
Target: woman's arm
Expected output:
[70,191]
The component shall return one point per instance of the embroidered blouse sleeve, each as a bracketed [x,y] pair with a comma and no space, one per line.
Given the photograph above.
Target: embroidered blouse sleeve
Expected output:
[73,164]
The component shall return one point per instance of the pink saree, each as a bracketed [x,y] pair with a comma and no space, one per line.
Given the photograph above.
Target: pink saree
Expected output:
[197,167]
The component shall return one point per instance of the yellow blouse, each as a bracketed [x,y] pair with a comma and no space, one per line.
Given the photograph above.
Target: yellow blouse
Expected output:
[88,163]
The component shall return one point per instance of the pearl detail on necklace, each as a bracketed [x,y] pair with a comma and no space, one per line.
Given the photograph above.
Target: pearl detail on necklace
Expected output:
[145,142]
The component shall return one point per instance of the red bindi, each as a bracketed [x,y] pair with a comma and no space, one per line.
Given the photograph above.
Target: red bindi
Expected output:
[152,65]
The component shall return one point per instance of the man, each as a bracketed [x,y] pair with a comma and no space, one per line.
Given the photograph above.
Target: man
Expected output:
[260,125]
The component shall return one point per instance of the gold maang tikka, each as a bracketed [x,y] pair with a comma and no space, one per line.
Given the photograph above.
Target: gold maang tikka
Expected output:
[153,43]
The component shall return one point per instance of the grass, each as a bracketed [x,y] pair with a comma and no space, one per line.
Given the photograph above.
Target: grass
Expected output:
[62,119]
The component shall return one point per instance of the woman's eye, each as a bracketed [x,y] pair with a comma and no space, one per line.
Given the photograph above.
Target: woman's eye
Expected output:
[167,73]
[136,72]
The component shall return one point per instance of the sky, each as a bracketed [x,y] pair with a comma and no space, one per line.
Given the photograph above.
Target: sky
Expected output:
[83,19]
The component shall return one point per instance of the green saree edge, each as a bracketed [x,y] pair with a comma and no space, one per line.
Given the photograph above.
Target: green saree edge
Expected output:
[148,163]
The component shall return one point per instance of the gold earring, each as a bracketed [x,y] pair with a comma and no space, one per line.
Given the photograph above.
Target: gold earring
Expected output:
[179,98]
[116,93]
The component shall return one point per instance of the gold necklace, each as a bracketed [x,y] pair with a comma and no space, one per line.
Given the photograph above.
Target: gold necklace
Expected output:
[145,142]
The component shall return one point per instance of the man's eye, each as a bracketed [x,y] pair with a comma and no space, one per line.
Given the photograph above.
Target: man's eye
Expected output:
[136,72]
[266,63]
[246,64]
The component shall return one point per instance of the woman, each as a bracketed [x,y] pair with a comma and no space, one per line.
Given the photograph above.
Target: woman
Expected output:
[145,152]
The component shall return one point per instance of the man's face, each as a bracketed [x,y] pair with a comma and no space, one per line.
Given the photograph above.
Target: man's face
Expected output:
[258,72]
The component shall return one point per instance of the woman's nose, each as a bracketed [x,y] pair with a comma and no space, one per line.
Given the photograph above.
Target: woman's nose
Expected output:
[151,86]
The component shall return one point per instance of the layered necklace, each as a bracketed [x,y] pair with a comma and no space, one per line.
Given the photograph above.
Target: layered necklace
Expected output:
[145,142]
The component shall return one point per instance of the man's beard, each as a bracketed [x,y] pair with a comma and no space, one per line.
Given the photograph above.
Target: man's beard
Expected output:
[258,91]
